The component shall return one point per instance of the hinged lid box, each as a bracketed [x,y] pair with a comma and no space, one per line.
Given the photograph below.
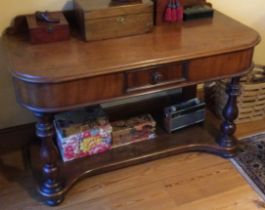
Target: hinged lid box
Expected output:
[41,32]
[103,19]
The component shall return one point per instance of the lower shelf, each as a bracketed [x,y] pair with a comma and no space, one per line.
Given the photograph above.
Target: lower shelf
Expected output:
[197,138]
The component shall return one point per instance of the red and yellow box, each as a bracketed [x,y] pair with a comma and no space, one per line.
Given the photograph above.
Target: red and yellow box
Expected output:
[83,132]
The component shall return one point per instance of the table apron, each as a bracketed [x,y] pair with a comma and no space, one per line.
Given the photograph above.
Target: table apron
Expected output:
[53,97]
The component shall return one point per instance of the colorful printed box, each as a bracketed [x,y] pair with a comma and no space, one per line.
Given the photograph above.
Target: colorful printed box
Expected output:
[83,132]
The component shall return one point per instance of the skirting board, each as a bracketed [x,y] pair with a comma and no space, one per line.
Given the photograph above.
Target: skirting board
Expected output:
[14,138]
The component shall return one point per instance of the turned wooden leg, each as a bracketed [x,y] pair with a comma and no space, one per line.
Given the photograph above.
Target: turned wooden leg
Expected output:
[230,113]
[51,186]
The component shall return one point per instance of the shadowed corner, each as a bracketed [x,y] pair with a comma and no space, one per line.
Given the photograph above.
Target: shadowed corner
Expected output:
[68,5]
[18,25]
[14,167]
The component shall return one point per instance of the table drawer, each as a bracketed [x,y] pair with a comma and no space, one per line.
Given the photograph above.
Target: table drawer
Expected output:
[163,75]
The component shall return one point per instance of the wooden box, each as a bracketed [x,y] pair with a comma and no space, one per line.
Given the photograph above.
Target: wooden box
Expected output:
[103,19]
[41,32]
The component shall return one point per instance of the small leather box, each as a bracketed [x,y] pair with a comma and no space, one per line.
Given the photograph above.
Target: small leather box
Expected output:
[43,32]
[198,11]
[104,19]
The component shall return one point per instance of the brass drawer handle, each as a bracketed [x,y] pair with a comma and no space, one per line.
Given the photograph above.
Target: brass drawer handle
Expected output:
[157,77]
[120,19]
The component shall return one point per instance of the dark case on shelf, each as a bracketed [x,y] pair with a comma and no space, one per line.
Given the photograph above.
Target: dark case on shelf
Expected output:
[183,114]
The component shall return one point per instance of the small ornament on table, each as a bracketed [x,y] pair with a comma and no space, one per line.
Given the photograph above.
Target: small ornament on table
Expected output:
[44,17]
[179,11]
[173,12]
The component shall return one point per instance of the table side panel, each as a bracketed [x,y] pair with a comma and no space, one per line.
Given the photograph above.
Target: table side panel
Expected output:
[71,93]
[220,65]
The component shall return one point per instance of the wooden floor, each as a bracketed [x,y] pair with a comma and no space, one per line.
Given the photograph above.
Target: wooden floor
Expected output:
[192,181]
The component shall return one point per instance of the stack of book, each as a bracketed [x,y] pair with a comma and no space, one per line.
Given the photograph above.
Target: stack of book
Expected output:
[133,130]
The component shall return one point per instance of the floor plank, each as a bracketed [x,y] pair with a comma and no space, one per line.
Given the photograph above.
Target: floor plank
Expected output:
[239,198]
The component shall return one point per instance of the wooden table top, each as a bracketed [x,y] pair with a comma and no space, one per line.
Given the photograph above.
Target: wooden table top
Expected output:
[74,59]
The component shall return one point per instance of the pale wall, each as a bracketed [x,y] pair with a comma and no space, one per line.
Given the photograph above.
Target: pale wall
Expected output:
[10,113]
[248,12]
[251,13]
[11,8]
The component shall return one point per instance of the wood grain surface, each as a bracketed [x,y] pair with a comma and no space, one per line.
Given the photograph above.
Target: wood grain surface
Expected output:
[61,76]
[189,181]
[74,59]
[208,49]
[104,19]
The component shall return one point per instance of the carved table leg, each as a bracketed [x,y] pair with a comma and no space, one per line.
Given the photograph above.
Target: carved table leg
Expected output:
[51,186]
[230,113]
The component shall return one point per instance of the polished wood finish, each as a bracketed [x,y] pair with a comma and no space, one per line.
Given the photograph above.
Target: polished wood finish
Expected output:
[103,19]
[51,96]
[105,8]
[51,184]
[230,113]
[197,138]
[41,32]
[213,67]
[67,75]
[75,59]
[188,181]
[46,96]
[150,78]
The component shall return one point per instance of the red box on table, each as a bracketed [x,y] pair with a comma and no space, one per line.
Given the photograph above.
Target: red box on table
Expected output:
[43,32]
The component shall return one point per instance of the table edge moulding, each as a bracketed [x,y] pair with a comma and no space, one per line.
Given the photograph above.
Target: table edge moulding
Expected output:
[60,76]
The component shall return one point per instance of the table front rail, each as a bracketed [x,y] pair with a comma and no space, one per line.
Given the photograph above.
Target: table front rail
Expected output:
[54,97]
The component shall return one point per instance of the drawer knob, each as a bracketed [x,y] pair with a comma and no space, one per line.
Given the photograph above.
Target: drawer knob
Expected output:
[157,77]
[120,19]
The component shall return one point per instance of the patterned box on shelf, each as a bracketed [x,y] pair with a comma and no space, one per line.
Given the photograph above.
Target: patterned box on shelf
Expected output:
[133,130]
[251,102]
[83,132]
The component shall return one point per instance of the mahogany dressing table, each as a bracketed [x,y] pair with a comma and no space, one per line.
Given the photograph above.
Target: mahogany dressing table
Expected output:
[56,77]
